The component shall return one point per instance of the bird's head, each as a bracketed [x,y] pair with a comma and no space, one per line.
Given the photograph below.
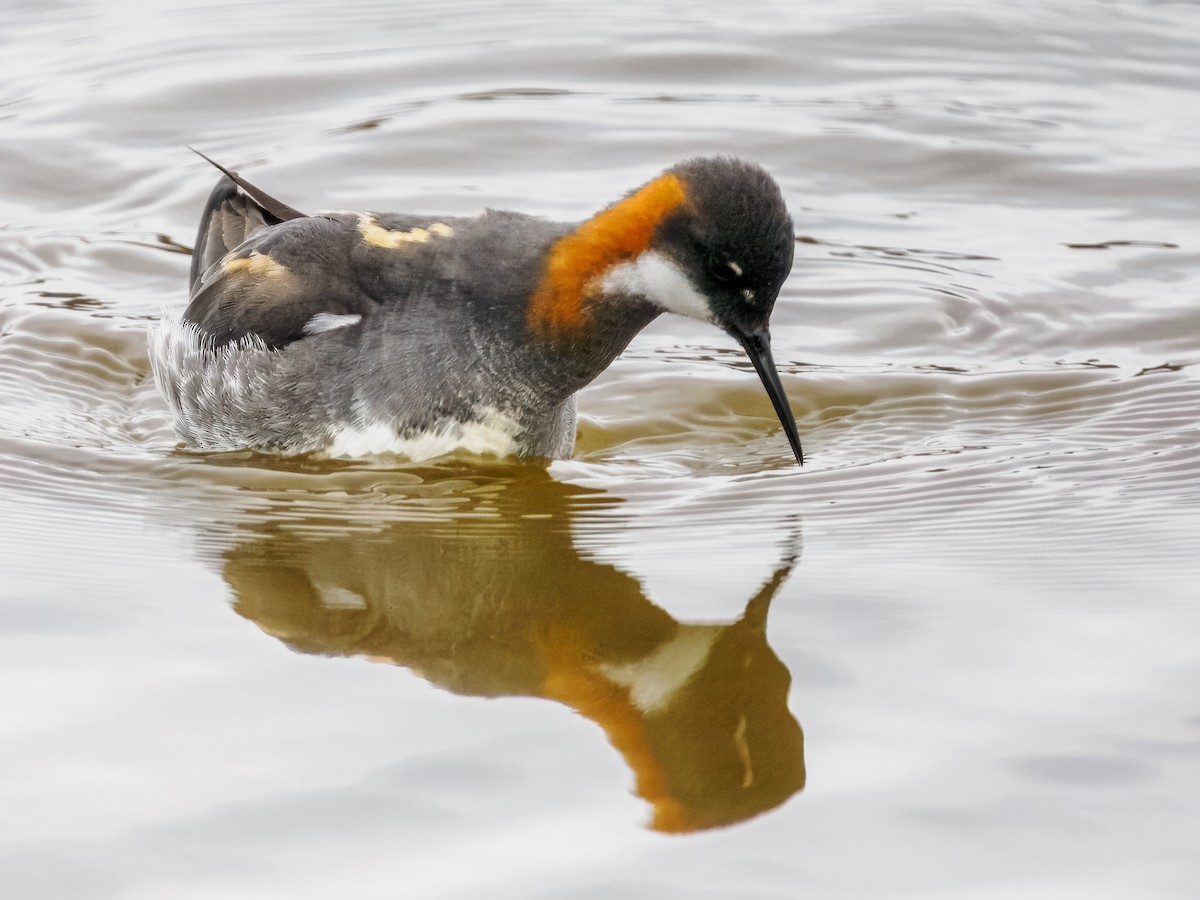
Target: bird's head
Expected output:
[721,255]
[710,239]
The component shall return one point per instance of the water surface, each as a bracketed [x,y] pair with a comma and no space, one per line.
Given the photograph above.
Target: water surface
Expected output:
[953,656]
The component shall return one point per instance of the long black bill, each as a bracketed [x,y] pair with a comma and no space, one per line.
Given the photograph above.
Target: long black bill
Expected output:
[758,348]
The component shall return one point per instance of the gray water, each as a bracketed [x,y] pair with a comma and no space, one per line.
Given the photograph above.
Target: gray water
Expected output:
[954,656]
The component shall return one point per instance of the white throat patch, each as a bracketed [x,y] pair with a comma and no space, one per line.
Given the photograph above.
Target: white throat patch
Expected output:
[661,282]
[654,679]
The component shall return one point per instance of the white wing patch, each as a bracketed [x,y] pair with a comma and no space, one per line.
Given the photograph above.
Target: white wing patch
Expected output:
[334,596]
[323,322]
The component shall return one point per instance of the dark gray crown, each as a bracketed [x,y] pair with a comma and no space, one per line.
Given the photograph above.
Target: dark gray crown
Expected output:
[735,214]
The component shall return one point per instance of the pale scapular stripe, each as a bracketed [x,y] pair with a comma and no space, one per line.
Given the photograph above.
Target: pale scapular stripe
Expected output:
[376,235]
[257,265]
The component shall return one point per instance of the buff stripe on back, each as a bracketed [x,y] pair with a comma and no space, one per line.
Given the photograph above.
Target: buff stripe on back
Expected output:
[577,260]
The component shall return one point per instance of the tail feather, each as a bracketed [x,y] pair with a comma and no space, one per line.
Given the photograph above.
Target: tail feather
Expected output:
[235,209]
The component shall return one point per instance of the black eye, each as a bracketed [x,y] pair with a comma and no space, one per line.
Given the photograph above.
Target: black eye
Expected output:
[723,271]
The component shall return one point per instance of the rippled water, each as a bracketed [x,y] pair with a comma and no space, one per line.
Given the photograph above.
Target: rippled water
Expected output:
[954,656]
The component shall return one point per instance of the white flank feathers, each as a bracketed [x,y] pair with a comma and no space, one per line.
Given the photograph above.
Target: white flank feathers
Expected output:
[491,434]
[225,398]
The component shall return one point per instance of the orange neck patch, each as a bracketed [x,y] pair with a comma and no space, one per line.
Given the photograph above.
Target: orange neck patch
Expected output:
[577,260]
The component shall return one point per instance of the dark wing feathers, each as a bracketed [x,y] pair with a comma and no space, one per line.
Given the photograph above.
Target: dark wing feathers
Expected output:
[229,217]
[262,268]
[274,282]
[277,208]
[235,208]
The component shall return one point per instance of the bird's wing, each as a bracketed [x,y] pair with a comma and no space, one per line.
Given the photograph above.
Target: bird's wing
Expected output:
[286,281]
[263,270]
[235,210]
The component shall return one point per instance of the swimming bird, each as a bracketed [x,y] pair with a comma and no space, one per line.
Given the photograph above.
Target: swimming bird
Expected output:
[353,334]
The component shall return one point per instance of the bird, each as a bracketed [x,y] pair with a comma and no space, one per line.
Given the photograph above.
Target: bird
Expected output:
[357,334]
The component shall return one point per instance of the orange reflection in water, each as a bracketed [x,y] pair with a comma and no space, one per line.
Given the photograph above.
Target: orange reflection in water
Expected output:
[500,603]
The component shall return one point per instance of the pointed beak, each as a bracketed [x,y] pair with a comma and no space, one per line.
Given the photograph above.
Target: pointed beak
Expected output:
[758,348]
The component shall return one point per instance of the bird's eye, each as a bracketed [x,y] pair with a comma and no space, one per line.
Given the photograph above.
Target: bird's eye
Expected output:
[724,271]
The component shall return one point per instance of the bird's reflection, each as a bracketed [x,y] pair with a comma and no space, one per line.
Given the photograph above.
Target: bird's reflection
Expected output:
[498,602]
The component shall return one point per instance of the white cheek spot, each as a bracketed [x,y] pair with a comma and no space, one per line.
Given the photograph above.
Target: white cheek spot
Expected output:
[742,748]
[661,282]
[323,322]
[748,295]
